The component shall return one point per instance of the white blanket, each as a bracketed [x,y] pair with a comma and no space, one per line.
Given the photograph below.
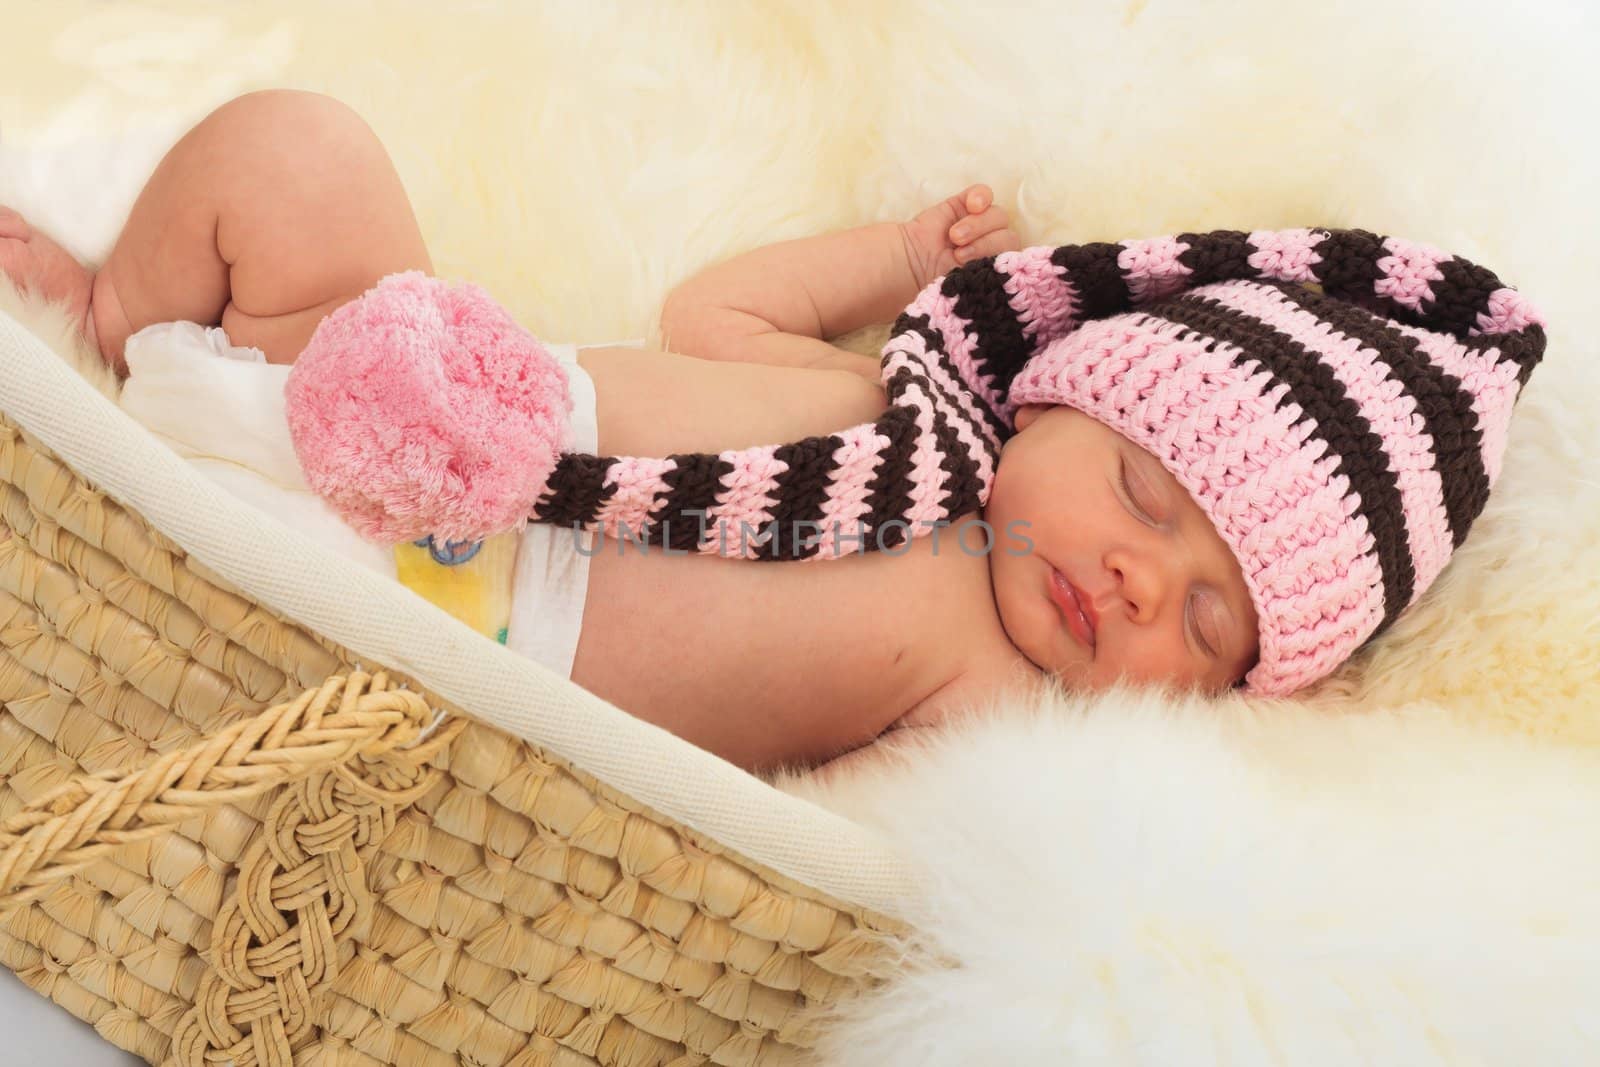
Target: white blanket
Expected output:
[221,408]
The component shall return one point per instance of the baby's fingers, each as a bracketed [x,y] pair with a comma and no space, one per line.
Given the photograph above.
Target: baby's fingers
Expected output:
[975,226]
[990,244]
[976,198]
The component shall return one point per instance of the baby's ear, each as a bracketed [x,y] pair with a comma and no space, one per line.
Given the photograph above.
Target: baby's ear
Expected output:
[1027,413]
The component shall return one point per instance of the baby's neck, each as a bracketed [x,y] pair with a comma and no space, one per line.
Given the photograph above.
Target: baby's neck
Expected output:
[965,653]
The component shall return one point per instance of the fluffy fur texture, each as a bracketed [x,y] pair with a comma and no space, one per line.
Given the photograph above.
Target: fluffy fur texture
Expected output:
[423,409]
[53,324]
[1154,883]
[1395,867]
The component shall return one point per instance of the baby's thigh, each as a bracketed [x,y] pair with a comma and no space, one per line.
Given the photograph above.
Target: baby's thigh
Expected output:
[316,216]
[275,208]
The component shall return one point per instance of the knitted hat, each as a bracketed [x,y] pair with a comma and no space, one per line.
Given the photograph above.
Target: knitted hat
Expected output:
[1341,442]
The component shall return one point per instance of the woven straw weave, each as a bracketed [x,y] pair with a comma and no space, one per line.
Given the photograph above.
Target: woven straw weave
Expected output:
[222,839]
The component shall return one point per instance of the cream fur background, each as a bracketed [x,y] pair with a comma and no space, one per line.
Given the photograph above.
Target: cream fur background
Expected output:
[1400,867]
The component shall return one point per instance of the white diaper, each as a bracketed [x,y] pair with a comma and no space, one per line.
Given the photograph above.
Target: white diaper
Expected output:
[221,407]
[551,581]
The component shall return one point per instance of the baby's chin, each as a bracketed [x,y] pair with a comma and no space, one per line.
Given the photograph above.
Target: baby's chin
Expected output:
[1033,626]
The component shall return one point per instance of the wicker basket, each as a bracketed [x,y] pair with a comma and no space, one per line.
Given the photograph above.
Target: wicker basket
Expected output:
[224,838]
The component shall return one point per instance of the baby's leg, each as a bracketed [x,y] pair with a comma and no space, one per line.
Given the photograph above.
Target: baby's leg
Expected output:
[275,209]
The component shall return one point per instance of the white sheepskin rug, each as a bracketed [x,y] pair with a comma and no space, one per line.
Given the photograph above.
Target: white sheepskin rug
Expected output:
[1137,882]
[1401,867]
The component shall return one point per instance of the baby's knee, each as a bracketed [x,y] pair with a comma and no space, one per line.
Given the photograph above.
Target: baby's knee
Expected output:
[286,109]
[314,124]
[295,162]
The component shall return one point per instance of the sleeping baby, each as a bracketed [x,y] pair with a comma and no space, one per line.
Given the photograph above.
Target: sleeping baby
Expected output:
[1206,460]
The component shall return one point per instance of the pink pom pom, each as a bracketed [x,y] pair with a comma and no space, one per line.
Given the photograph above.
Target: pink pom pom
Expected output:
[422,408]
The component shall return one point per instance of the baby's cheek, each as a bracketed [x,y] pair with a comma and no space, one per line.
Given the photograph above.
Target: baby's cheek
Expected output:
[1004,491]
[1022,616]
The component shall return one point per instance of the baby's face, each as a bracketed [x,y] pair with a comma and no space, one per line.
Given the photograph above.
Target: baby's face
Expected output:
[1170,601]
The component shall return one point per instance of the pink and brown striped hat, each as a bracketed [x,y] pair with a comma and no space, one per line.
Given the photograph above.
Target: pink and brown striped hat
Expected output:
[1336,401]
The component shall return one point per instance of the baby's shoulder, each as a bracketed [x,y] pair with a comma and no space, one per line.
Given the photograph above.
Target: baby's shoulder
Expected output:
[975,687]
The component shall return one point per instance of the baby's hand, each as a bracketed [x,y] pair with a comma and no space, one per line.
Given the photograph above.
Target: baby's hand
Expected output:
[955,231]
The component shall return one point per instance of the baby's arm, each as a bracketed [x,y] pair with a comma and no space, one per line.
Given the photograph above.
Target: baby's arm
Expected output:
[653,403]
[778,303]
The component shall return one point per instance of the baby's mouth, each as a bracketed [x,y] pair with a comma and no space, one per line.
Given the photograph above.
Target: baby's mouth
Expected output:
[1069,601]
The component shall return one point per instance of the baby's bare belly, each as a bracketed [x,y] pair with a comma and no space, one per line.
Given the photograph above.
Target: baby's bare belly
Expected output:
[769,663]
[766,663]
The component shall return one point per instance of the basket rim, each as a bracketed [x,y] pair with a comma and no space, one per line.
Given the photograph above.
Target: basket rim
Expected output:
[388,627]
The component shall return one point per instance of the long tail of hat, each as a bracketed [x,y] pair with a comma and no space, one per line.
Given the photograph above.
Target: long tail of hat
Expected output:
[947,370]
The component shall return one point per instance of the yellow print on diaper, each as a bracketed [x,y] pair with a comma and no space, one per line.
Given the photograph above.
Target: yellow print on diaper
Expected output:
[469,579]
